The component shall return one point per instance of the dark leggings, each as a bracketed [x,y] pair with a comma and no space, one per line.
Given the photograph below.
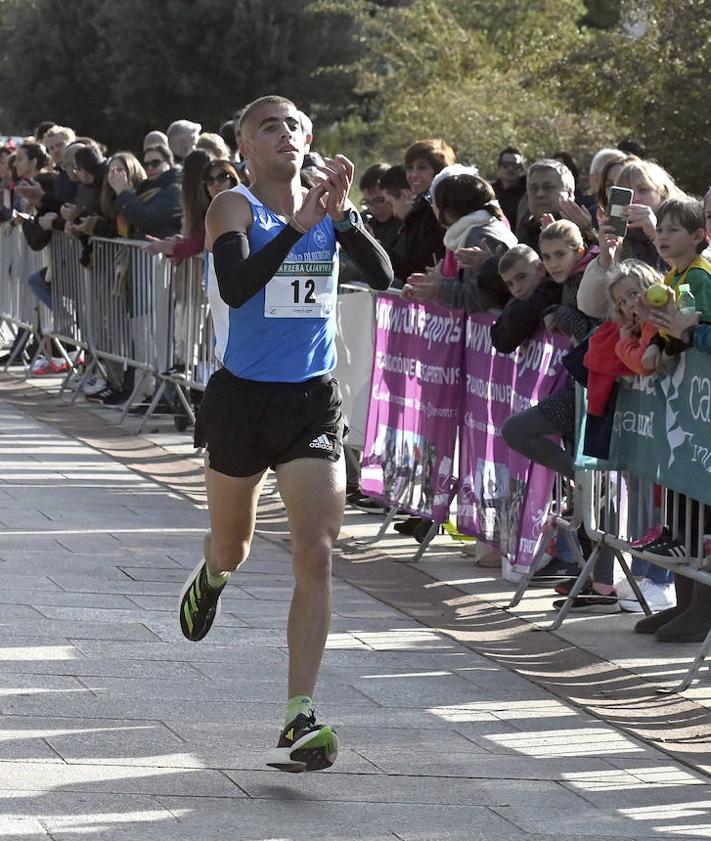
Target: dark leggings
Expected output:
[527,433]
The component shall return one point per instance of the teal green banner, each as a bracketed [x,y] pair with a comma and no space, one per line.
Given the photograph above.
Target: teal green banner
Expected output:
[662,428]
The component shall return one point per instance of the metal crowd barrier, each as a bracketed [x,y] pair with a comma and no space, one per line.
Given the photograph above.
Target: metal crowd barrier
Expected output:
[190,360]
[128,307]
[19,308]
[618,508]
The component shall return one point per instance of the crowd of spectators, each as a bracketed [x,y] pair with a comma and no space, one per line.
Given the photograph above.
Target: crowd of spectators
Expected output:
[532,243]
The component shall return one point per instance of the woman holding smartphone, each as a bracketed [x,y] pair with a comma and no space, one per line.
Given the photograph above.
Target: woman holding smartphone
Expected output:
[651,185]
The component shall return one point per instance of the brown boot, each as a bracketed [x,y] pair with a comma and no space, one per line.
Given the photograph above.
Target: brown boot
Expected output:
[651,624]
[694,623]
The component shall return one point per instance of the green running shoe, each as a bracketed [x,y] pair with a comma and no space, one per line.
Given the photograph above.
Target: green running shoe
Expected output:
[304,746]
[199,604]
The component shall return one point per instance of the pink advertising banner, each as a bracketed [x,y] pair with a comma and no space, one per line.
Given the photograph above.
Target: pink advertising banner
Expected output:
[502,497]
[415,406]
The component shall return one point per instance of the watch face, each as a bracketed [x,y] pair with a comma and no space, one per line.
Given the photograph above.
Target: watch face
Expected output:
[352,217]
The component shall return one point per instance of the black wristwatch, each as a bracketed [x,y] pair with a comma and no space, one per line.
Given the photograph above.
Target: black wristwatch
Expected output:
[349,221]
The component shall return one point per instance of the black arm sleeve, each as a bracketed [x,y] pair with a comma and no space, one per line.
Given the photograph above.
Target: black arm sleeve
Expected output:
[368,256]
[240,275]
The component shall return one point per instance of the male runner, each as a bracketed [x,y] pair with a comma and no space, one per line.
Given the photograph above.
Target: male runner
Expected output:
[274,403]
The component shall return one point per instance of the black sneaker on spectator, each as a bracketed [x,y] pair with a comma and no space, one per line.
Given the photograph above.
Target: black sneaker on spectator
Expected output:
[666,546]
[369,504]
[408,526]
[108,397]
[588,601]
[552,573]
[116,398]
[100,396]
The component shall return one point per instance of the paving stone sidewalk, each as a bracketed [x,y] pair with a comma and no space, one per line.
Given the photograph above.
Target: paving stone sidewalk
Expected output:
[114,727]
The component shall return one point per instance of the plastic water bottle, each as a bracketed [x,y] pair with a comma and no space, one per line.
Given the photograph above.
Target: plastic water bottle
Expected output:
[685,303]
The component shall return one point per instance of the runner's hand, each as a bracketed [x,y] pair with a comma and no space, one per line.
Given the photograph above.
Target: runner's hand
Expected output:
[313,209]
[336,177]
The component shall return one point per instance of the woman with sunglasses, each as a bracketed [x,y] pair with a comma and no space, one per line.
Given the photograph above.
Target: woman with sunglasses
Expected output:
[154,207]
[203,179]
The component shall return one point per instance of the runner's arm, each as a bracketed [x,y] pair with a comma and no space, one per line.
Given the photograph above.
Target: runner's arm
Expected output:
[368,255]
[240,275]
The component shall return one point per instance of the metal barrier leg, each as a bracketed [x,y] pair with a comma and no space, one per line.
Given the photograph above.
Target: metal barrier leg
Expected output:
[154,402]
[185,402]
[577,587]
[16,352]
[389,517]
[567,533]
[35,357]
[429,537]
[536,564]
[141,375]
[632,582]
[688,678]
[86,376]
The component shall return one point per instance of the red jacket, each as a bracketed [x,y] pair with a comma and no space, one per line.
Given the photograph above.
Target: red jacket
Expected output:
[603,365]
[631,349]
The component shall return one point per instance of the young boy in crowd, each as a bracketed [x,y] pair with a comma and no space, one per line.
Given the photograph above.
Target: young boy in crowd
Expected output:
[680,239]
[524,275]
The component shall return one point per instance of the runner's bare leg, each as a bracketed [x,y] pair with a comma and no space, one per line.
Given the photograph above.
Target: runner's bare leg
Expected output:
[313,491]
[233,512]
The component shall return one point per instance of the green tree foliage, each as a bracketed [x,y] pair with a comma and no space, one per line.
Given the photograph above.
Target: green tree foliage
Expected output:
[654,67]
[116,68]
[602,14]
[544,75]
[53,65]
[481,75]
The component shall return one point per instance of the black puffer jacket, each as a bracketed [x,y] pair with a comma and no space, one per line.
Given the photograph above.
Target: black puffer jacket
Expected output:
[519,320]
[154,208]
[422,244]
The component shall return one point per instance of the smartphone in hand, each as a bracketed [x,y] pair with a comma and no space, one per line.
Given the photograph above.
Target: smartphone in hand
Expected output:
[617,200]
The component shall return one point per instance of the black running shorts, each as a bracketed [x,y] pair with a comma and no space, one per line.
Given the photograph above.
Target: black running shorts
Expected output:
[248,426]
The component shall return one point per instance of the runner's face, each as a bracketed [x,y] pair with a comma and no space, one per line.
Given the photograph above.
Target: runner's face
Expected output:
[274,138]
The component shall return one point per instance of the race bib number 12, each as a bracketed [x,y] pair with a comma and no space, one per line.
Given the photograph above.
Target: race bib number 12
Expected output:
[301,290]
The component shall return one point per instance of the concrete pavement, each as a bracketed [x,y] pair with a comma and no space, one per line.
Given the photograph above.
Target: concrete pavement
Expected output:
[114,727]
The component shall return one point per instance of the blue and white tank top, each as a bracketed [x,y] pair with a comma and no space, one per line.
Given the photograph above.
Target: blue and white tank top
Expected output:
[286,332]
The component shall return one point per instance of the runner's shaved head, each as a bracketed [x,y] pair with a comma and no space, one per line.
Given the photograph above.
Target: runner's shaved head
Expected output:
[247,122]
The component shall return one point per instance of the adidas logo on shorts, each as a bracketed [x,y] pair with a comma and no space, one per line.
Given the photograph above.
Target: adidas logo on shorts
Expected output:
[321,443]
